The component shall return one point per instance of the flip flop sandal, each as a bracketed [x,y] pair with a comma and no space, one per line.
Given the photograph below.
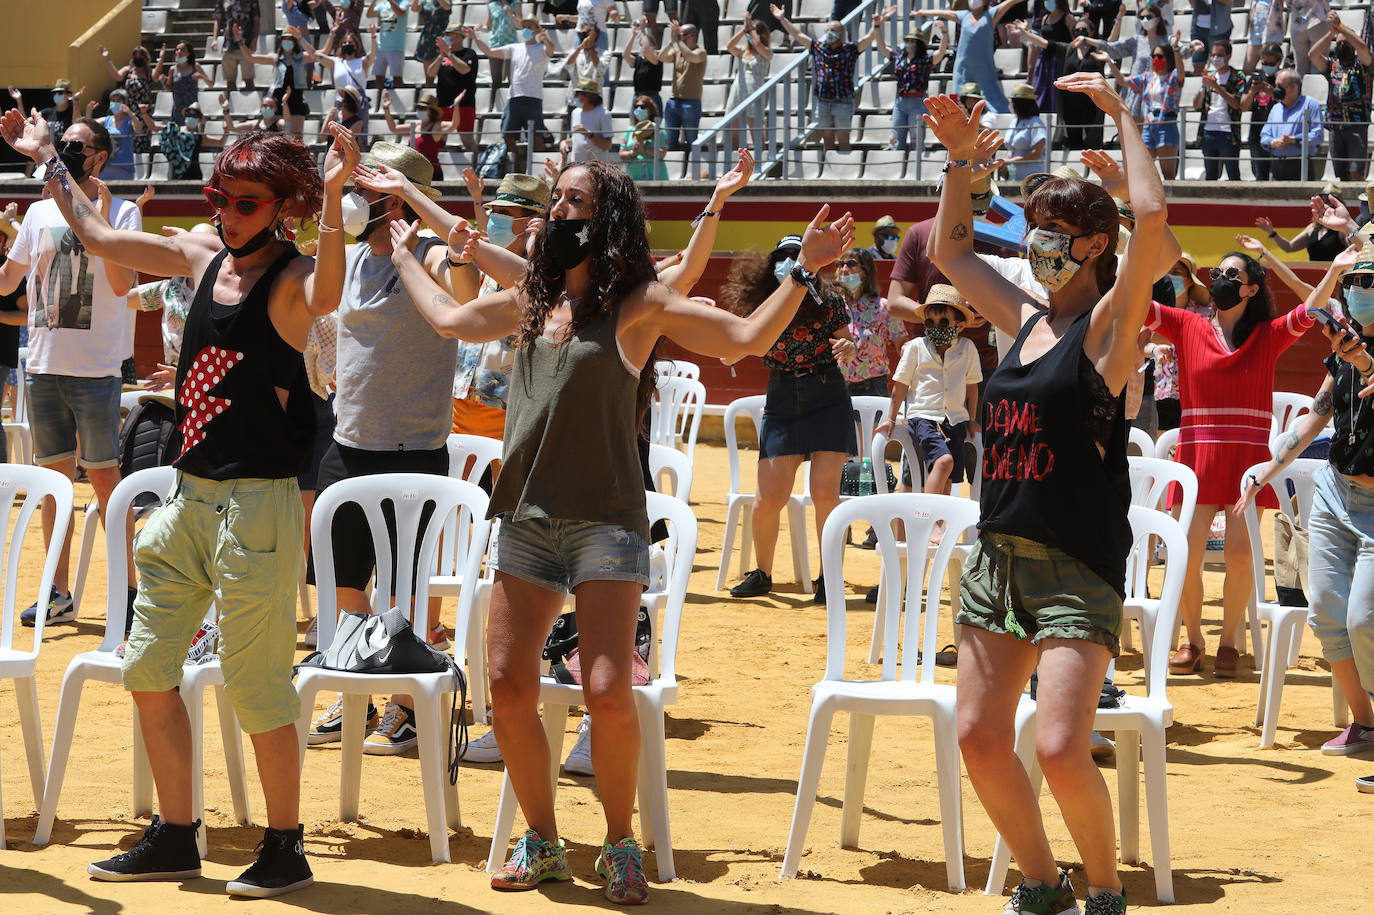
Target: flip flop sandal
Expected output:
[947,656]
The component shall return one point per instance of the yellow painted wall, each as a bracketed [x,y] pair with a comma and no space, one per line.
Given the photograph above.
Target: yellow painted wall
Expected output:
[43,42]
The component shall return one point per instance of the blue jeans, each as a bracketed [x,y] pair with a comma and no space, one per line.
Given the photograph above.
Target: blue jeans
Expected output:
[1341,571]
[681,117]
[1219,148]
[558,555]
[522,111]
[906,116]
[67,409]
[1160,133]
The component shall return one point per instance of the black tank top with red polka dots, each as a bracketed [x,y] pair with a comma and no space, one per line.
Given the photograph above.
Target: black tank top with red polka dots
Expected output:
[229,415]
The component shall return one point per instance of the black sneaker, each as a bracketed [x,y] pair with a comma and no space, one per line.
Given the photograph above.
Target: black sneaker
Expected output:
[167,851]
[1365,784]
[872,596]
[871,541]
[281,866]
[819,596]
[755,584]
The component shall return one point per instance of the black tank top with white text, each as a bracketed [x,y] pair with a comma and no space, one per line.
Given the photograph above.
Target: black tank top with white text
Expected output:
[1043,476]
[231,421]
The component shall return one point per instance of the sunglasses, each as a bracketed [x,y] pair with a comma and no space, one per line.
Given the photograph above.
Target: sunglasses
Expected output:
[1363,280]
[244,206]
[76,147]
[931,323]
[851,264]
[1231,273]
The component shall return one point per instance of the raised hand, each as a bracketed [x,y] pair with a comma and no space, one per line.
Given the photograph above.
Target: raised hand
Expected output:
[462,241]
[1342,262]
[382,179]
[404,237]
[776,11]
[103,198]
[102,50]
[18,98]
[987,144]
[343,156]
[738,176]
[148,193]
[956,129]
[473,182]
[551,169]
[822,245]
[1112,175]
[1095,87]
[1334,215]
[1250,243]
[1264,224]
[28,135]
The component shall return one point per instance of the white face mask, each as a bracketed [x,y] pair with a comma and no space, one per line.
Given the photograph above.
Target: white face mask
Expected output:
[1218,62]
[975,5]
[356,213]
[191,121]
[887,245]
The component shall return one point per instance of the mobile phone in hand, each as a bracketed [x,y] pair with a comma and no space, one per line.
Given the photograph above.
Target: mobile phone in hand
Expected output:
[1322,316]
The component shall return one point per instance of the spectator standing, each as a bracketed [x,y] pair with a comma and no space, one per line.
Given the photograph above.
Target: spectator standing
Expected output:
[1056,25]
[348,18]
[529,59]
[393,18]
[973,61]
[246,15]
[180,141]
[1159,91]
[595,14]
[434,17]
[501,24]
[705,15]
[1152,29]
[871,328]
[1265,27]
[641,53]
[750,46]
[1101,15]
[1293,131]
[124,124]
[1347,71]
[833,60]
[886,238]
[348,71]
[645,143]
[912,65]
[1306,22]
[290,78]
[1027,139]
[590,134]
[455,71]
[1222,97]
[1082,120]
[1211,23]
[1261,103]
[584,61]
[183,78]
[683,112]
[1320,242]
[136,79]
[427,132]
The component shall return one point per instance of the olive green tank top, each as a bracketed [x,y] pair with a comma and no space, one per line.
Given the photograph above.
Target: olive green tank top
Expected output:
[570,445]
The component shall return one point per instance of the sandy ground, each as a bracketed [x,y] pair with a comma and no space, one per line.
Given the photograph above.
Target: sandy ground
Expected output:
[1252,830]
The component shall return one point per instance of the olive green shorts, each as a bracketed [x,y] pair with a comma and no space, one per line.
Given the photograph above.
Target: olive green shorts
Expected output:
[1027,589]
[236,543]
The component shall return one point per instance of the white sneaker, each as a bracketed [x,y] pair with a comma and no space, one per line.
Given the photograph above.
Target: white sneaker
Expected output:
[312,635]
[579,761]
[483,749]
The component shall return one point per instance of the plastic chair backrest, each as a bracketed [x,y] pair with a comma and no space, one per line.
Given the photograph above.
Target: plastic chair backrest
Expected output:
[753,408]
[675,415]
[919,512]
[676,465]
[1165,444]
[902,436]
[1151,478]
[677,368]
[407,494]
[679,552]
[1140,440]
[156,481]
[1146,524]
[1296,478]
[871,411]
[481,452]
[37,484]
[1288,407]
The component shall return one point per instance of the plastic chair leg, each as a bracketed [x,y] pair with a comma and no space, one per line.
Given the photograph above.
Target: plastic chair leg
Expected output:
[875,644]
[1256,635]
[856,776]
[1001,854]
[1157,799]
[477,655]
[653,792]
[194,701]
[746,538]
[646,812]
[232,739]
[733,519]
[351,755]
[505,822]
[432,775]
[67,704]
[801,556]
[555,719]
[1128,794]
[143,773]
[951,802]
[1276,671]
[26,690]
[817,736]
[83,563]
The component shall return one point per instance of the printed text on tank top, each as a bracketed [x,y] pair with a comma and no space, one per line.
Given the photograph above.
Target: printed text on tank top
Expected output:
[232,289]
[558,324]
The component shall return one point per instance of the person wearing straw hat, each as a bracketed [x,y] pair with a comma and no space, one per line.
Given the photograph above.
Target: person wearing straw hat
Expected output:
[912,64]
[970,94]
[1340,522]
[1027,139]
[887,236]
[350,111]
[590,134]
[973,58]
[429,130]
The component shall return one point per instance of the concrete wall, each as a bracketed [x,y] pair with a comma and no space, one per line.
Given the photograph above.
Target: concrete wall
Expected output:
[43,42]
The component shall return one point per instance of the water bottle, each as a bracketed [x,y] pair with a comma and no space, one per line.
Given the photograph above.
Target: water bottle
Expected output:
[866,478]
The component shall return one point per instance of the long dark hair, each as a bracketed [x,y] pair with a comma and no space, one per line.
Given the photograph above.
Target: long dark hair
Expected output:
[1260,308]
[620,264]
[1085,205]
[752,280]
[867,270]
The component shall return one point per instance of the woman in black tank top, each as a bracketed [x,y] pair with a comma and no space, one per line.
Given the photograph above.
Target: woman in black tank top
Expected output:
[1043,587]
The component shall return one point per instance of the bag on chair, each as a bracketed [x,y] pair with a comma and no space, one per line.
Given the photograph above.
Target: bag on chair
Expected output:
[849,477]
[384,643]
[1290,562]
[560,649]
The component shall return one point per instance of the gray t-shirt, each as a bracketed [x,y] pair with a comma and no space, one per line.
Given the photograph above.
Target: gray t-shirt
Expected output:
[395,373]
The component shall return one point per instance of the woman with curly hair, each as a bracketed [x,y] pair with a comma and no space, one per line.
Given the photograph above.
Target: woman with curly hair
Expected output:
[588,313]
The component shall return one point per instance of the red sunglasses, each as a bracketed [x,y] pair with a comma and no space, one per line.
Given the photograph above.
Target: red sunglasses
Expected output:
[244,206]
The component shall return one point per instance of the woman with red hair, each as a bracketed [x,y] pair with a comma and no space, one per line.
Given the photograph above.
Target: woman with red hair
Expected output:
[231,530]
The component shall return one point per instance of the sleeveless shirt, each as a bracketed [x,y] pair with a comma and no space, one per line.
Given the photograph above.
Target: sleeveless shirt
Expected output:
[231,421]
[1043,477]
[570,447]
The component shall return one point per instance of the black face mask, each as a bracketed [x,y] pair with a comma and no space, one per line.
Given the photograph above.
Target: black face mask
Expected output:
[1345,53]
[254,244]
[567,241]
[1279,93]
[74,158]
[1225,293]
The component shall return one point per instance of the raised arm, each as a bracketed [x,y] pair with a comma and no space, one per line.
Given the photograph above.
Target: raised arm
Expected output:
[685,274]
[948,15]
[1018,31]
[1317,53]
[873,33]
[324,286]
[158,75]
[1113,178]
[1305,431]
[788,26]
[1004,7]
[116,73]
[481,320]
[1275,265]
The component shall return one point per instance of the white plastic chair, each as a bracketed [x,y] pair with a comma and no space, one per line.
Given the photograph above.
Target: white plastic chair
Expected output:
[912,691]
[1285,623]
[902,436]
[469,457]
[675,415]
[408,493]
[871,410]
[1288,408]
[1139,723]
[1141,441]
[669,462]
[103,666]
[19,443]
[19,664]
[739,505]
[1151,480]
[677,368]
[1165,444]
[650,700]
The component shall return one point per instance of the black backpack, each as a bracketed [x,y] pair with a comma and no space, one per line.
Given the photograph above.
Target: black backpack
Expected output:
[493,161]
[148,438]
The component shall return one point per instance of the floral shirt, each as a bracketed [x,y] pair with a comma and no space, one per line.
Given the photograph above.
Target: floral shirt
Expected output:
[483,370]
[1160,95]
[873,330]
[913,73]
[805,344]
[834,69]
[1348,97]
[173,296]
[229,13]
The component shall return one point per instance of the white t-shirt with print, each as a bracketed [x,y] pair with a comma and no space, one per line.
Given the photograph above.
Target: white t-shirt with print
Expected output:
[77,325]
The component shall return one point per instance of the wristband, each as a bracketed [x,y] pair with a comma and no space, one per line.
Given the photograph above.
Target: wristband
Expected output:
[1253,479]
[455,264]
[704,214]
[956,163]
[806,279]
[1273,234]
[324,228]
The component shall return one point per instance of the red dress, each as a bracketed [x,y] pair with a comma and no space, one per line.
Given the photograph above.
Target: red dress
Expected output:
[1227,396]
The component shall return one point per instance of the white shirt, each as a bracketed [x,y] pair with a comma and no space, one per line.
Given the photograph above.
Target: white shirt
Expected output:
[598,124]
[527,65]
[593,12]
[1018,272]
[938,385]
[1218,112]
[77,325]
[348,71]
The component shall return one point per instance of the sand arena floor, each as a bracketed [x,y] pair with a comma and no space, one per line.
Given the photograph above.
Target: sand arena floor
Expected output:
[1279,830]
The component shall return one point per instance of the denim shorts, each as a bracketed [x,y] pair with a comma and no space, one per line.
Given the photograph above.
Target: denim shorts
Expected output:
[67,409]
[835,114]
[520,112]
[559,555]
[1160,133]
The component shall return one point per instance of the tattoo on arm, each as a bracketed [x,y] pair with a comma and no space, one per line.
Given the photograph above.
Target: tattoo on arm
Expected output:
[441,300]
[959,232]
[81,211]
[1323,406]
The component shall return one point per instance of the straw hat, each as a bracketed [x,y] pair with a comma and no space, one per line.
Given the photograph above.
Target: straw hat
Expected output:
[62,85]
[942,294]
[971,90]
[524,191]
[589,86]
[885,222]
[353,93]
[1364,262]
[1193,286]
[1368,194]
[1023,90]
[1333,189]
[428,100]
[405,160]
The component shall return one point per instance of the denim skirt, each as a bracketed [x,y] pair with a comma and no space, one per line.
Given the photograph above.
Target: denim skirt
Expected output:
[807,413]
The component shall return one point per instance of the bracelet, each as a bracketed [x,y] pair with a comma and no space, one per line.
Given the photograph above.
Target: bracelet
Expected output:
[324,228]
[956,163]
[1253,479]
[704,214]
[456,264]
[806,279]
[1273,234]
[55,167]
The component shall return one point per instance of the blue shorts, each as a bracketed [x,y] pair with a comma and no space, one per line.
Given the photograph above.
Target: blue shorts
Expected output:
[67,409]
[835,114]
[1160,133]
[520,112]
[559,555]
[935,440]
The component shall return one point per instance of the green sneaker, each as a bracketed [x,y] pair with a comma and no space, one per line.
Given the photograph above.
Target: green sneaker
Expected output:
[1107,903]
[1043,899]
[532,862]
[622,867]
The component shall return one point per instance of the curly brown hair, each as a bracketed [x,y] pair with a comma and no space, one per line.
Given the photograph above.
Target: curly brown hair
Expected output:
[620,264]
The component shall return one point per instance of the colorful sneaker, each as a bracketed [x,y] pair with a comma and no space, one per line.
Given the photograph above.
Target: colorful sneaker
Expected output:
[395,735]
[281,866]
[166,851]
[60,610]
[622,867]
[482,750]
[1043,899]
[204,646]
[328,728]
[532,862]
[1355,739]
[579,761]
[1106,903]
